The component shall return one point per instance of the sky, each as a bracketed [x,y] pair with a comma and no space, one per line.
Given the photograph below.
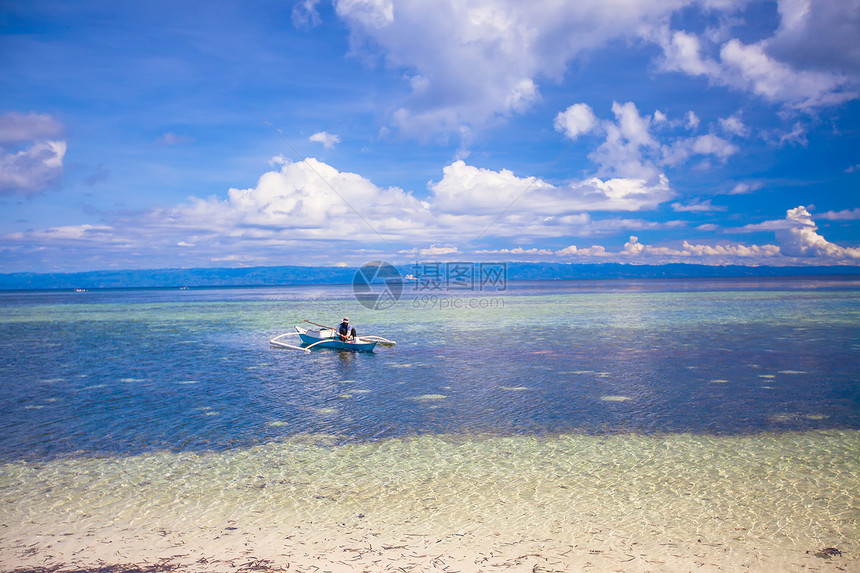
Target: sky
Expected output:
[226,134]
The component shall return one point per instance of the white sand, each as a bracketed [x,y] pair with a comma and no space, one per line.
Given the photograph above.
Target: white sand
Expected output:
[306,548]
[577,503]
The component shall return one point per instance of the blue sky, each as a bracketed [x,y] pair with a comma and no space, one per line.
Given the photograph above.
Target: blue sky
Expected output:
[319,133]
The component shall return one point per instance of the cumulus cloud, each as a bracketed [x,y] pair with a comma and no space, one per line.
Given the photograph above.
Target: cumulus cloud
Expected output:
[480,62]
[31,155]
[819,34]
[328,140]
[304,200]
[312,201]
[308,205]
[573,250]
[469,65]
[734,125]
[633,247]
[800,238]
[628,145]
[33,169]
[631,150]
[575,120]
[754,68]
[730,250]
[750,67]
[682,149]
[465,189]
[724,252]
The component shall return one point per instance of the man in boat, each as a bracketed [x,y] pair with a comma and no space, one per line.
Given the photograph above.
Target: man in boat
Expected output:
[343,331]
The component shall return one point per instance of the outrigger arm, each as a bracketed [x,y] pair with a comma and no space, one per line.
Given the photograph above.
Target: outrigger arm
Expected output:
[277,342]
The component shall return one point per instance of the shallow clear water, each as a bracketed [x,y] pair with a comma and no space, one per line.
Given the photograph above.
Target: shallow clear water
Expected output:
[609,414]
[125,372]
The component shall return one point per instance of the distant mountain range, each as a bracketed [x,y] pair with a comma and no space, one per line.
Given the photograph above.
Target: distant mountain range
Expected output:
[296,275]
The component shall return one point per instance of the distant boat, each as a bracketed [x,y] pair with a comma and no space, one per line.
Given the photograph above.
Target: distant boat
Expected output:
[80,290]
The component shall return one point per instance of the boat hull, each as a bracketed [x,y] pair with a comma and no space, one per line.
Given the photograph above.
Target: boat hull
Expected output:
[327,339]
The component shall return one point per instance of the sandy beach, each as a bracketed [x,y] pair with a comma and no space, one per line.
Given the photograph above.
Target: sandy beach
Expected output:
[785,502]
[358,548]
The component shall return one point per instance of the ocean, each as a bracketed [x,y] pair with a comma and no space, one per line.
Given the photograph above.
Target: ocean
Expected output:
[639,422]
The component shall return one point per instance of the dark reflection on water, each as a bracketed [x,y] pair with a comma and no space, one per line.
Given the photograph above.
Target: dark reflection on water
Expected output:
[136,371]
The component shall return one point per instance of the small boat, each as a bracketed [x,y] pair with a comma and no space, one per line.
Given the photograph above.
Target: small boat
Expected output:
[325,337]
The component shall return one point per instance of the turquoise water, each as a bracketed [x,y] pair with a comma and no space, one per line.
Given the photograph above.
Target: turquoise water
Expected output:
[639,420]
[125,372]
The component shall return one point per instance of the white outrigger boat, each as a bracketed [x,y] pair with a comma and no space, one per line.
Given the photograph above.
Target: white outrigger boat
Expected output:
[325,337]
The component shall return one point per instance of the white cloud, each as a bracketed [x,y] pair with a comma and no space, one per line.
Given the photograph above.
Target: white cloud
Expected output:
[844,215]
[819,34]
[371,14]
[713,145]
[328,140]
[777,69]
[744,188]
[633,247]
[466,189]
[801,239]
[304,200]
[631,151]
[853,168]
[33,169]
[724,252]
[697,206]
[305,14]
[682,52]
[575,120]
[628,145]
[734,125]
[682,149]
[470,65]
[278,160]
[573,250]
[749,67]
[307,206]
[797,235]
[312,201]
[797,135]
[481,61]
[96,234]
[692,120]
[435,251]
[31,160]
[730,250]
[517,251]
